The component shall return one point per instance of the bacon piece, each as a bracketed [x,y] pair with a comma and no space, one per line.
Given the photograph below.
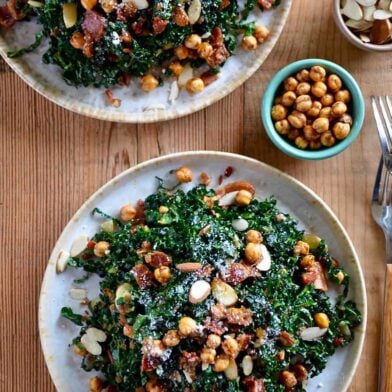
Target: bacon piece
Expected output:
[315,274]
[239,316]
[6,18]
[144,277]
[180,17]
[220,53]
[158,259]
[153,351]
[218,312]
[189,362]
[137,26]
[145,247]
[94,25]
[236,273]
[159,25]
[266,4]
[243,341]
[126,11]
[253,384]
[214,326]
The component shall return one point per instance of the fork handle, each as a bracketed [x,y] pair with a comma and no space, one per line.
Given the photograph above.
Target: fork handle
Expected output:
[385,380]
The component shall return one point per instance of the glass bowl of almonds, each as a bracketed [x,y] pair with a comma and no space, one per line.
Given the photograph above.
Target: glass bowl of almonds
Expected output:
[312,109]
[367,24]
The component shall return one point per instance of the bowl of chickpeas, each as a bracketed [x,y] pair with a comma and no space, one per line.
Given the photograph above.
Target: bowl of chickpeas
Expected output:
[312,109]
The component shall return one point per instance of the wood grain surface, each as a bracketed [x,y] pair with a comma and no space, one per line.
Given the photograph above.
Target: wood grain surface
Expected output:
[51,160]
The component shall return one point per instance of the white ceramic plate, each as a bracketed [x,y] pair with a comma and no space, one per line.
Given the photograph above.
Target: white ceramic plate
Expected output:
[138,182]
[137,106]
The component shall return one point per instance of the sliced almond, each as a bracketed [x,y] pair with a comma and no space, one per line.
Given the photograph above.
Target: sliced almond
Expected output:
[174,91]
[223,293]
[185,75]
[240,224]
[188,377]
[109,226]
[380,32]
[91,345]
[382,14]
[35,4]
[384,4]
[62,261]
[140,4]
[79,245]
[359,25]
[78,294]
[228,199]
[352,10]
[154,107]
[189,267]
[368,13]
[231,372]
[194,11]
[247,365]
[199,291]
[312,333]
[96,334]
[366,3]
[364,38]
[70,14]
[265,263]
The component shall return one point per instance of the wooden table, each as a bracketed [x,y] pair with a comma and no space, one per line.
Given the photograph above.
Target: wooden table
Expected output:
[51,160]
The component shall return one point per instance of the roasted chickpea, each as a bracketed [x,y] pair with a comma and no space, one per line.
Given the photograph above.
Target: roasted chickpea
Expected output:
[101,248]
[187,326]
[317,73]
[303,88]
[326,112]
[182,52]
[95,384]
[283,127]
[261,33]
[303,103]
[301,142]
[310,134]
[290,84]
[162,274]
[127,213]
[88,4]
[193,41]
[243,198]
[253,252]
[346,118]
[213,341]
[176,68]
[221,363]
[307,261]
[297,119]
[288,98]
[293,134]
[207,355]
[319,89]
[314,111]
[205,50]
[301,248]
[334,82]
[322,320]
[194,85]
[280,355]
[303,75]
[171,338]
[288,379]
[230,347]
[341,130]
[327,139]
[338,109]
[300,372]
[320,124]
[163,210]
[254,236]
[315,144]
[343,96]
[149,83]
[249,43]
[77,40]
[327,100]
[184,174]
[278,112]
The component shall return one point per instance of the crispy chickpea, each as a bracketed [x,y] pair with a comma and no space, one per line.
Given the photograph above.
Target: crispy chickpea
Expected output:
[205,50]
[326,112]
[327,100]
[253,252]
[322,320]
[310,134]
[327,139]
[341,130]
[293,134]
[213,341]
[176,68]
[278,112]
[297,119]
[221,363]
[290,84]
[163,209]
[283,127]
[254,236]
[230,347]
[109,6]
[319,89]
[77,40]
[193,41]
[127,213]
[301,142]
[182,52]
[303,75]
[339,108]
[317,73]
[194,85]
[187,326]
[301,248]
[184,174]
[153,386]
[89,4]
[261,33]
[303,103]
[315,144]
[343,96]
[346,118]
[95,384]
[171,338]
[300,372]
[207,355]
[243,197]
[280,355]
[303,88]
[307,261]
[288,98]
[314,111]
[320,124]
[162,274]
[249,43]
[288,379]
[149,83]
[334,82]
[101,248]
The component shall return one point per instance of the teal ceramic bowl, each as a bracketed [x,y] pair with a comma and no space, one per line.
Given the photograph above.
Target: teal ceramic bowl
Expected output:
[357,109]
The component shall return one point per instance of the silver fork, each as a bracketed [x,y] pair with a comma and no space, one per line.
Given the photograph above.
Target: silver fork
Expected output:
[382,214]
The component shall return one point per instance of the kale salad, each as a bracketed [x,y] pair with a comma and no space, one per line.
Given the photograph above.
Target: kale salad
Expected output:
[207,290]
[104,43]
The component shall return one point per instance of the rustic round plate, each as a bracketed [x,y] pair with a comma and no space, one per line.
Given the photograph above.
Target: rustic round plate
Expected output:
[137,106]
[138,182]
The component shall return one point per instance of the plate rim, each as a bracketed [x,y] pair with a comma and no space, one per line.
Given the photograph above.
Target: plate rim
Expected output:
[149,116]
[360,335]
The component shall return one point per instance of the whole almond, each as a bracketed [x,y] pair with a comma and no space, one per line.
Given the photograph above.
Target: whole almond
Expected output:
[199,291]
[189,267]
